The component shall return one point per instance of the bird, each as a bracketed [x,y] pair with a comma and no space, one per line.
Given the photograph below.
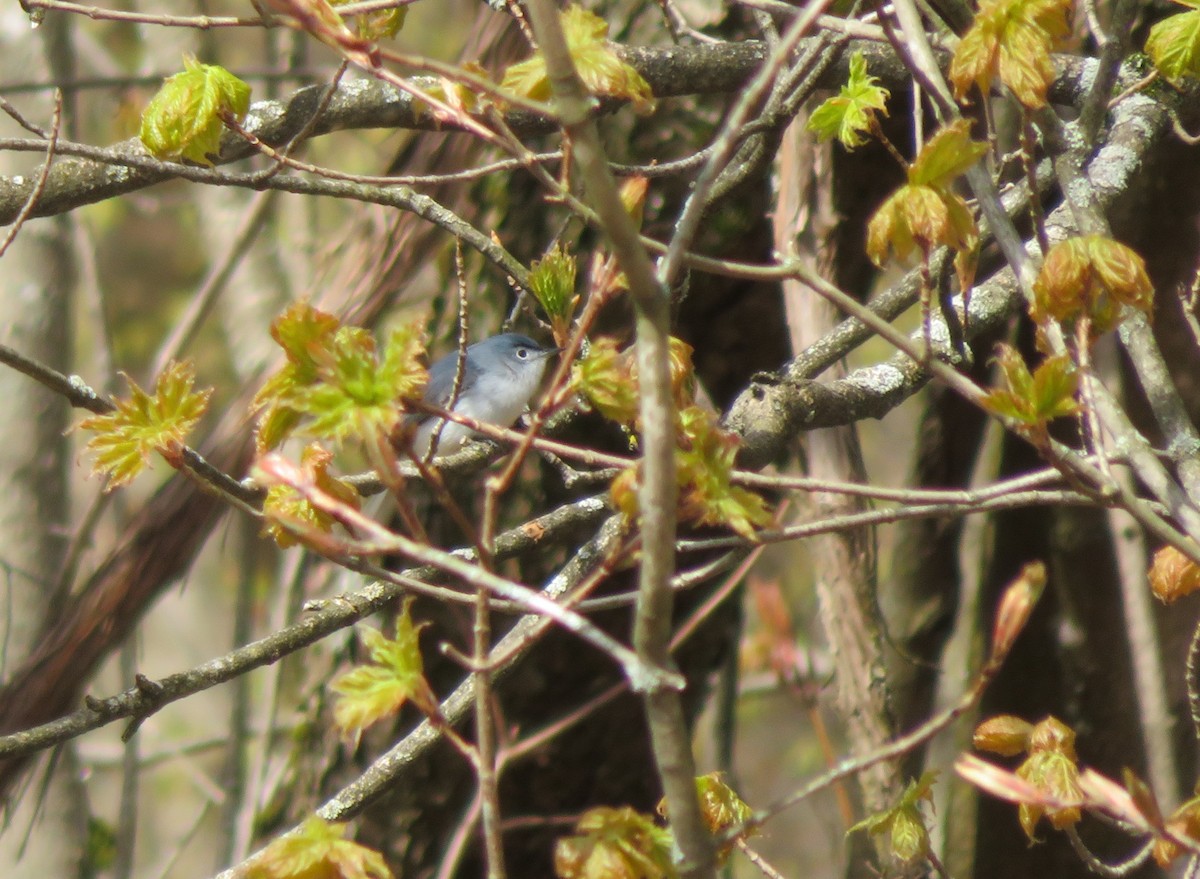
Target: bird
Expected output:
[500,375]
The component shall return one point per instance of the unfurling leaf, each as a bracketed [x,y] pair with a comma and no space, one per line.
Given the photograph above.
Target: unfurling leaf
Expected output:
[851,113]
[947,156]
[552,283]
[300,331]
[142,424]
[924,213]
[378,24]
[335,384]
[1004,734]
[1034,400]
[357,391]
[720,807]
[1019,599]
[1184,821]
[1173,575]
[1091,275]
[612,843]
[184,120]
[605,379]
[917,218]
[1011,40]
[1174,44]
[396,675]
[285,507]
[317,850]
[1052,767]
[704,471]
[599,66]
[904,822]
[633,197]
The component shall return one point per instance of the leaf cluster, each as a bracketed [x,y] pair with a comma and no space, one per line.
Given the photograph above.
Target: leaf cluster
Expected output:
[1033,400]
[1091,276]
[615,843]
[1011,40]
[601,69]
[1051,765]
[704,459]
[317,850]
[925,213]
[145,423]
[852,112]
[905,825]
[395,675]
[335,384]
[184,120]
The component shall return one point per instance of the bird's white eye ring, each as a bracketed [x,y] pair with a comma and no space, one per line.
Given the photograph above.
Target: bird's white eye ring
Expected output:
[522,353]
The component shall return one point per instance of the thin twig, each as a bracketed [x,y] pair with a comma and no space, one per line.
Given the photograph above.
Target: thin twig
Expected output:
[40,186]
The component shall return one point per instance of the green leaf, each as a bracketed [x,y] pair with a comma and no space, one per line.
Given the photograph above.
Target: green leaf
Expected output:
[285,507]
[605,379]
[317,850]
[357,393]
[601,70]
[948,155]
[300,330]
[184,119]
[552,282]
[850,114]
[903,822]
[615,843]
[704,471]
[397,675]
[1174,45]
[377,25]
[1011,40]
[143,424]
[917,218]
[1038,398]
[335,385]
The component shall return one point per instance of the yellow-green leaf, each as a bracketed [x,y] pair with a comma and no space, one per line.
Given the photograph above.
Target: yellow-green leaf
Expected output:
[284,507]
[611,843]
[552,283]
[1174,45]
[601,70]
[903,822]
[947,155]
[704,471]
[396,675]
[851,113]
[183,121]
[318,850]
[1092,275]
[378,24]
[300,331]
[1034,399]
[915,219]
[144,423]
[1052,767]
[357,392]
[1011,40]
[605,379]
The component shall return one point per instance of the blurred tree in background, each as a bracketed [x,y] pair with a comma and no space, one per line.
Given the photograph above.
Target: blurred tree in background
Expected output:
[872,425]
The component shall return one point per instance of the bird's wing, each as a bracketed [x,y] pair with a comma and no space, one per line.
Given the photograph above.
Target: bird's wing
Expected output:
[440,384]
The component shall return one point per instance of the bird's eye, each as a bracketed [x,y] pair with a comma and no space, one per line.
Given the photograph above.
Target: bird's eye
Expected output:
[523,353]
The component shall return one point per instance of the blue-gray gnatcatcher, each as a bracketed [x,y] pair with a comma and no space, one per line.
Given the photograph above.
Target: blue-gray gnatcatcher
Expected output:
[500,376]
